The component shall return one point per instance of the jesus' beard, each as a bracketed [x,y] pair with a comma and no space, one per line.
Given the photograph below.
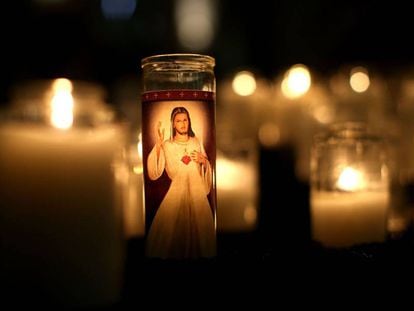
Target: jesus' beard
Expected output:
[182,132]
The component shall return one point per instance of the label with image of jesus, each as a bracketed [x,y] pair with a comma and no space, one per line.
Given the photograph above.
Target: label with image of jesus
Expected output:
[179,155]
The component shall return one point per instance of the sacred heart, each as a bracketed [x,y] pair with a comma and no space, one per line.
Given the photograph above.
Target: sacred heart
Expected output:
[186,159]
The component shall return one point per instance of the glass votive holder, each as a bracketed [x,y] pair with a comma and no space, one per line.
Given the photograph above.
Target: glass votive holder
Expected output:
[350,186]
[61,221]
[179,152]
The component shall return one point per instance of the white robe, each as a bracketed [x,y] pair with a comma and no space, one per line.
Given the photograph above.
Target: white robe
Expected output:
[183,226]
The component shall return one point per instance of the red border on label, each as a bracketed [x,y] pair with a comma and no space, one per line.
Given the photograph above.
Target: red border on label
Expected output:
[177,95]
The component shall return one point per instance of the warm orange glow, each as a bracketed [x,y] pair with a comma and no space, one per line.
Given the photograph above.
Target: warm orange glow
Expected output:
[139,145]
[269,134]
[296,82]
[250,214]
[138,169]
[323,114]
[244,83]
[62,104]
[359,80]
[62,84]
[350,179]
[228,174]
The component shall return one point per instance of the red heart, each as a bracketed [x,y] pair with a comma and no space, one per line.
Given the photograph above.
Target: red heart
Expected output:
[186,159]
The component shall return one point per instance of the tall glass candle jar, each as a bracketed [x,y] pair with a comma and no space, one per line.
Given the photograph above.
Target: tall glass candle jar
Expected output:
[179,154]
[60,217]
[350,187]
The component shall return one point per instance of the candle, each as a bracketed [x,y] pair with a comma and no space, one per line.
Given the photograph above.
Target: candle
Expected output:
[349,191]
[179,155]
[303,107]
[133,193]
[341,219]
[236,195]
[61,226]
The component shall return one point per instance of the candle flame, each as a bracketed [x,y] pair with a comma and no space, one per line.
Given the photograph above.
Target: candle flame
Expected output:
[62,104]
[350,179]
[359,80]
[244,83]
[62,84]
[138,169]
[296,82]
[139,145]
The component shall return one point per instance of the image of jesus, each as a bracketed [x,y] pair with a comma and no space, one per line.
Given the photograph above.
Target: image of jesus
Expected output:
[183,226]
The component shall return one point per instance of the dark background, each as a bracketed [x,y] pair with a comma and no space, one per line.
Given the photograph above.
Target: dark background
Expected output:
[72,38]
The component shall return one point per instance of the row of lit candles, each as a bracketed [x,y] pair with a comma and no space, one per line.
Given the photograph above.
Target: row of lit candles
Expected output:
[61,117]
[52,175]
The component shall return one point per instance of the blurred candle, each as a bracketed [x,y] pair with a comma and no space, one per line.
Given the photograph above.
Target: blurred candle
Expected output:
[134,212]
[297,81]
[304,108]
[243,100]
[61,229]
[344,218]
[350,187]
[236,194]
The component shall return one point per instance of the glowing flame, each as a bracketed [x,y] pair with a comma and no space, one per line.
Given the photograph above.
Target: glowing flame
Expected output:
[139,145]
[350,179]
[244,83]
[137,168]
[359,80]
[296,82]
[62,104]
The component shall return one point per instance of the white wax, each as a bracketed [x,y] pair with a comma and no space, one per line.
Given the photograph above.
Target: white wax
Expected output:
[60,224]
[342,219]
[129,175]
[134,215]
[236,195]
